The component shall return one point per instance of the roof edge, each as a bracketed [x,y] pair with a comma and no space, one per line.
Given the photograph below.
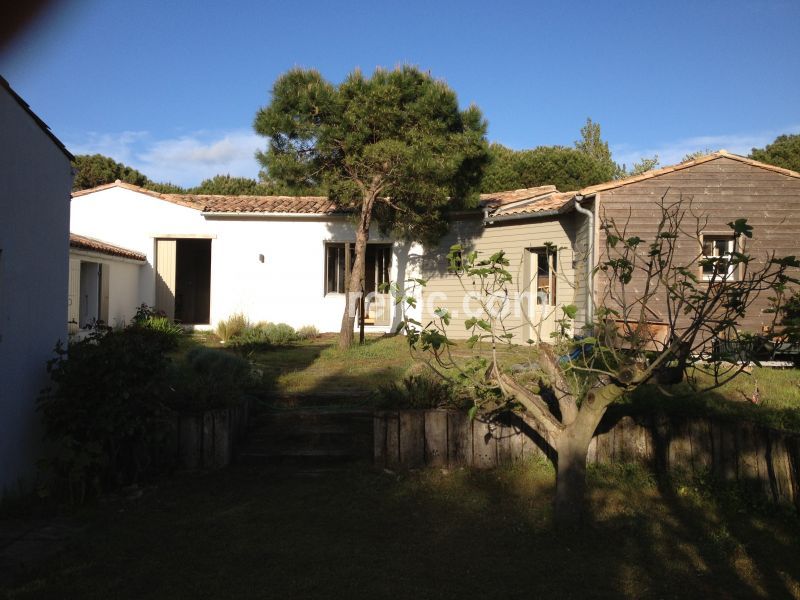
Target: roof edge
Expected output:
[42,125]
[610,185]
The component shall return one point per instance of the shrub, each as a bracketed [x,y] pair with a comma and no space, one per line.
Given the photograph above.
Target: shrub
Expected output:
[422,390]
[273,334]
[107,410]
[234,326]
[209,379]
[307,332]
[147,317]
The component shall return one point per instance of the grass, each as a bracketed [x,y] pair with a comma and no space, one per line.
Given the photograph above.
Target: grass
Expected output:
[245,532]
[779,405]
[318,368]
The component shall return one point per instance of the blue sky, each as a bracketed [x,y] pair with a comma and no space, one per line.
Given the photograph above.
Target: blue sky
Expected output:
[171,87]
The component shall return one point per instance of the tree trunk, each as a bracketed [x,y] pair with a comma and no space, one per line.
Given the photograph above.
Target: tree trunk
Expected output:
[573,448]
[354,291]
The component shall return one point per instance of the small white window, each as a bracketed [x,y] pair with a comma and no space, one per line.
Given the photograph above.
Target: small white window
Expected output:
[717,251]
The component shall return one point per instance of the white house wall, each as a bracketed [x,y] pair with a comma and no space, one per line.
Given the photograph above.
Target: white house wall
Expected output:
[35,182]
[287,287]
[132,220]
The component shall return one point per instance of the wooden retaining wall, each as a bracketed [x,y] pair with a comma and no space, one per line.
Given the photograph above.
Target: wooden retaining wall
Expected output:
[762,458]
[207,440]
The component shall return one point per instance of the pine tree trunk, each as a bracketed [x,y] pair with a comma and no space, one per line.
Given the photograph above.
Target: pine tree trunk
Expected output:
[354,290]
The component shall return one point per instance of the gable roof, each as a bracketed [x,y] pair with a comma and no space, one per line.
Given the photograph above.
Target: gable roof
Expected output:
[208,203]
[554,202]
[81,242]
[42,125]
[610,185]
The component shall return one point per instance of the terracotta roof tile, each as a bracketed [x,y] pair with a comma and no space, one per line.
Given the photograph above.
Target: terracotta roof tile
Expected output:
[554,201]
[319,205]
[495,199]
[81,242]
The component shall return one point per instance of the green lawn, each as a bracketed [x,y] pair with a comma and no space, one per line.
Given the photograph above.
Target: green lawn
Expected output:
[317,368]
[250,533]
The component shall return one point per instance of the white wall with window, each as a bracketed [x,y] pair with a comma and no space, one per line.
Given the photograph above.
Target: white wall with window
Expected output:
[274,268]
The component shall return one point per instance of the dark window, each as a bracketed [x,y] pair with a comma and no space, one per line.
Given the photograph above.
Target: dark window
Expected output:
[334,268]
[376,268]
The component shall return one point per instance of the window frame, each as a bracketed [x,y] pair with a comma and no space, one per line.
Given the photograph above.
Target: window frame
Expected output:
[732,246]
[551,261]
[381,267]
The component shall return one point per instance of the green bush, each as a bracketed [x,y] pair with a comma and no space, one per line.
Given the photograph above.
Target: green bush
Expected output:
[233,327]
[208,379]
[107,410]
[272,334]
[147,317]
[423,390]
[307,332]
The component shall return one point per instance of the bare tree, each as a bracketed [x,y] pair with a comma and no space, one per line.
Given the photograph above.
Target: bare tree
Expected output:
[667,312]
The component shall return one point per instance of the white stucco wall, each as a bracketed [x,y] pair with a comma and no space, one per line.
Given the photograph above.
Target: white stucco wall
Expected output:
[123,289]
[35,182]
[287,287]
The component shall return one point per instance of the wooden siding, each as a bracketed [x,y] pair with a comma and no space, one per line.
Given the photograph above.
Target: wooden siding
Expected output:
[722,190]
[444,290]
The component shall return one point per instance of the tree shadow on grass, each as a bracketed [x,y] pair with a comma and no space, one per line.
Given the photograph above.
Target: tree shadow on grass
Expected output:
[428,534]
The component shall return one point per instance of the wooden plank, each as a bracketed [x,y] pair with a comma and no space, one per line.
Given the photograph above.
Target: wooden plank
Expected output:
[379,439]
[680,446]
[222,438]
[412,438]
[504,434]
[591,454]
[641,444]
[726,460]
[190,428]
[517,443]
[604,451]
[484,445]
[748,461]
[702,447]
[208,440]
[459,439]
[393,440]
[436,438]
[780,468]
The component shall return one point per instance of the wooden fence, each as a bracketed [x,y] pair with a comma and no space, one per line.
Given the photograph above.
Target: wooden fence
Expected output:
[756,456]
[207,440]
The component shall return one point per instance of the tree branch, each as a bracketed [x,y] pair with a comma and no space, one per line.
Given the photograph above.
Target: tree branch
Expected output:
[532,403]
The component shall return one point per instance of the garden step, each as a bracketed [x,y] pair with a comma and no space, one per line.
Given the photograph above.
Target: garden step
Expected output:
[308,457]
[309,437]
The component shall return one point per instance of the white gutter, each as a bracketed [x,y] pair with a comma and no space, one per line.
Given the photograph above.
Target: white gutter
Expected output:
[589,260]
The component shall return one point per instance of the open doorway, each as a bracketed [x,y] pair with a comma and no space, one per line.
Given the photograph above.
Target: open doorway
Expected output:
[183,280]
